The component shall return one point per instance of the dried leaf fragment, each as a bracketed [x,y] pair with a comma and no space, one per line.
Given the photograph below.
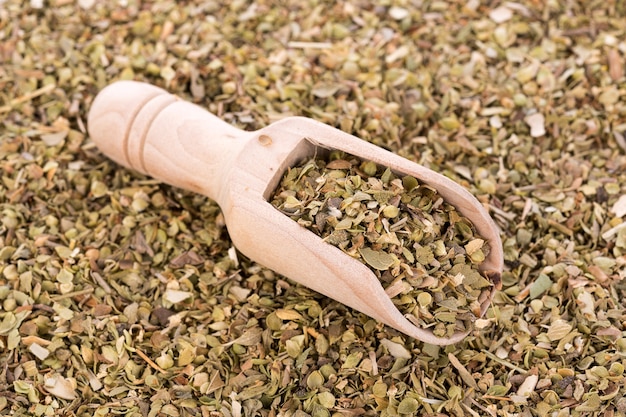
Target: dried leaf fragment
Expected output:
[249,338]
[377,259]
[396,349]
[24,387]
[536,122]
[39,351]
[288,314]
[473,245]
[585,302]
[325,90]
[540,285]
[408,406]
[187,258]
[60,387]
[528,386]
[558,330]
[398,13]
[501,14]
[176,296]
[619,208]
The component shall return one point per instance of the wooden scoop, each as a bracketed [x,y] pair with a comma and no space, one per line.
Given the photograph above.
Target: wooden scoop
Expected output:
[144,128]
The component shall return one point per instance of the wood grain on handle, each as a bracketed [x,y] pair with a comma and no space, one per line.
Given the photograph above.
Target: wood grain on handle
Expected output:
[143,127]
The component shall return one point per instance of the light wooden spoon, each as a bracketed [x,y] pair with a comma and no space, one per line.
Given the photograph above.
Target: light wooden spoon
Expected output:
[142,127]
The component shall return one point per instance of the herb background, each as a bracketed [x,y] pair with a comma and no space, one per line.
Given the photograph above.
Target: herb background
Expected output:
[123,296]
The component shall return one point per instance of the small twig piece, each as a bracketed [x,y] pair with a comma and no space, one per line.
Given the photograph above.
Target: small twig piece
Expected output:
[463,372]
[503,362]
[149,361]
[314,45]
[72,294]
[101,282]
[27,97]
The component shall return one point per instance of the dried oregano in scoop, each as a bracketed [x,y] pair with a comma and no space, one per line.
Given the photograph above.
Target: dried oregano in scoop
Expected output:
[425,253]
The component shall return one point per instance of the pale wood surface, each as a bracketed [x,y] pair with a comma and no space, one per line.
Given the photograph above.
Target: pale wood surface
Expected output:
[144,128]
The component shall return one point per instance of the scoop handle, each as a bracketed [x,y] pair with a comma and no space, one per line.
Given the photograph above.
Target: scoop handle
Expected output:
[145,128]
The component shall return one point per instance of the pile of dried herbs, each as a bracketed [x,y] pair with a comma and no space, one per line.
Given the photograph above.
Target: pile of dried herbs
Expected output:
[122,296]
[424,252]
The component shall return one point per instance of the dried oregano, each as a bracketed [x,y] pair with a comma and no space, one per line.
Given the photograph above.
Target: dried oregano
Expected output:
[425,253]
